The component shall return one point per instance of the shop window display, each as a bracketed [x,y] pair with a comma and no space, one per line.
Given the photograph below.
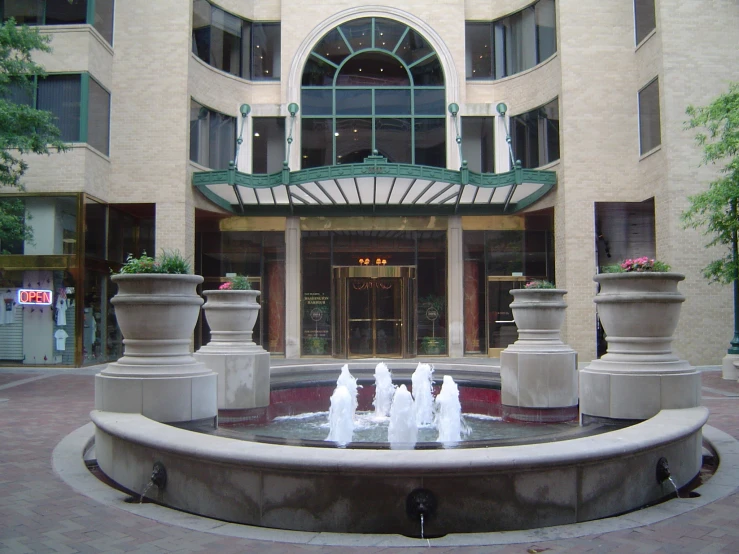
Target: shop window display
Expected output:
[37,321]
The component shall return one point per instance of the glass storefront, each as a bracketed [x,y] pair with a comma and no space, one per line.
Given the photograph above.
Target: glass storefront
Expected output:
[373,293]
[495,262]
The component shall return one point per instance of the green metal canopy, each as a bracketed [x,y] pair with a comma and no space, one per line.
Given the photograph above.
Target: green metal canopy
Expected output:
[375,187]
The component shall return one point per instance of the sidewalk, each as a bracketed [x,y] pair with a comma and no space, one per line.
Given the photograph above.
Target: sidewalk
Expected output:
[39,512]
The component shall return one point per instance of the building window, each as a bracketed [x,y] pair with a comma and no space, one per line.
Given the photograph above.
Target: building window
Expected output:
[649,123]
[497,49]
[61,12]
[212,137]
[80,105]
[645,19]
[234,45]
[478,143]
[373,84]
[268,144]
[535,135]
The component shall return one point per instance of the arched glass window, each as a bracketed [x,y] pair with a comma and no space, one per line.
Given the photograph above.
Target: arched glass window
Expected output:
[373,84]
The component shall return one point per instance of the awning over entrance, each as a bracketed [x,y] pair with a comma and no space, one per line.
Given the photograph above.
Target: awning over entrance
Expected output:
[375,187]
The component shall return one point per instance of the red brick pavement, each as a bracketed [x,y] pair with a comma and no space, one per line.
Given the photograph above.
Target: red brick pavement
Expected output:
[40,513]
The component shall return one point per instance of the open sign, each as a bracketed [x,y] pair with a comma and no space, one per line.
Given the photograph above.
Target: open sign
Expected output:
[34,297]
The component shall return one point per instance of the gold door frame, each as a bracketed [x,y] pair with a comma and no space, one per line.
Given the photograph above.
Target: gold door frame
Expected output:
[341,276]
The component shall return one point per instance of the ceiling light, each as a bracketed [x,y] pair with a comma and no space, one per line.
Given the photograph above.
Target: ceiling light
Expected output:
[256,134]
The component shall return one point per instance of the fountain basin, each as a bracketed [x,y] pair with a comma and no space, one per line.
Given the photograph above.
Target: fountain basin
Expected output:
[365,491]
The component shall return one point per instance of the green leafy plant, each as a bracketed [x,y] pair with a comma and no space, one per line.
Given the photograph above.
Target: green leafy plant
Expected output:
[539,284]
[315,345]
[433,345]
[637,265]
[171,262]
[237,282]
[715,209]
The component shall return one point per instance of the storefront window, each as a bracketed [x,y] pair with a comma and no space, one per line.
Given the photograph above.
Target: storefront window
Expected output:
[38,225]
[37,328]
[432,304]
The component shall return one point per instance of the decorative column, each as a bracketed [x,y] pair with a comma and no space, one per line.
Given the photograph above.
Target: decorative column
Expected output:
[292,287]
[455,287]
[471,306]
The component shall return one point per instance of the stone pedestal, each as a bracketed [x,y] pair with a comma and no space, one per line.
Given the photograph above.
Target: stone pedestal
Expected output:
[243,375]
[242,365]
[539,370]
[157,375]
[639,375]
[729,369]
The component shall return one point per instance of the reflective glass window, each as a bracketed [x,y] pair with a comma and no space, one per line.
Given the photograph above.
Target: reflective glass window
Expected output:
[428,72]
[478,50]
[353,102]
[353,140]
[317,101]
[535,135]
[225,42]
[317,73]
[429,101]
[265,38]
[333,47]
[388,33]
[649,120]
[268,144]
[104,10]
[358,33]
[413,47]
[60,94]
[198,133]
[317,146]
[222,139]
[393,139]
[645,19]
[430,142]
[393,102]
[98,120]
[546,33]
[25,12]
[201,29]
[64,12]
[373,69]
[96,225]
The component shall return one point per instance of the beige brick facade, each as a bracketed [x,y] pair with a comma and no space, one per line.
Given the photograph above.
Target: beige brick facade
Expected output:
[596,73]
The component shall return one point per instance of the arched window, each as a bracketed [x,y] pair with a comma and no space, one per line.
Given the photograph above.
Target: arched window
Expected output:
[373,84]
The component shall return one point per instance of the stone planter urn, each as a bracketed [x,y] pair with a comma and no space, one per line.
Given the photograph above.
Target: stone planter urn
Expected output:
[241,364]
[231,315]
[157,375]
[539,372]
[639,375]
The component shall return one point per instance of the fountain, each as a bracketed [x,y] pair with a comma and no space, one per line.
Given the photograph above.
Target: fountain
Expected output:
[312,486]
[423,394]
[384,390]
[341,416]
[448,417]
[402,431]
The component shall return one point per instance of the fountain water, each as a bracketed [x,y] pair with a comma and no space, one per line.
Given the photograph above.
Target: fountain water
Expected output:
[402,431]
[346,379]
[423,394]
[448,418]
[341,416]
[384,390]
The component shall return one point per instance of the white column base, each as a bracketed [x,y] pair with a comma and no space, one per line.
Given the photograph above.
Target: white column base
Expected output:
[729,371]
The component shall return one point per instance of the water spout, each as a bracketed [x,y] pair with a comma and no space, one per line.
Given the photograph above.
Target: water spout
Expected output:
[423,394]
[341,416]
[384,390]
[350,382]
[448,418]
[402,431]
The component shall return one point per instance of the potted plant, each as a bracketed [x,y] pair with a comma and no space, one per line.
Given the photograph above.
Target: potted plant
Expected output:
[539,311]
[157,307]
[231,312]
[639,307]
[433,346]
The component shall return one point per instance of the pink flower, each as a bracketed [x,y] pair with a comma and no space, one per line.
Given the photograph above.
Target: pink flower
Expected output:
[225,286]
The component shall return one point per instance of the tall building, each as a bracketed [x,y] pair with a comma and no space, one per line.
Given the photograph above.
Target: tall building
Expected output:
[384,174]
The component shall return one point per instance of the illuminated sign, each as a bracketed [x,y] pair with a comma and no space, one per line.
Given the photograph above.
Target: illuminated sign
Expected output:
[34,297]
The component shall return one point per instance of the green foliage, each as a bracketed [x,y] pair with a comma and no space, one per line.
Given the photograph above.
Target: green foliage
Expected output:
[238,282]
[13,227]
[715,210]
[23,129]
[536,284]
[637,265]
[169,262]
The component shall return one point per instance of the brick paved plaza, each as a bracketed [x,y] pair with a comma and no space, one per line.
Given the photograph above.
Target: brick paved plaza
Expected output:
[40,512]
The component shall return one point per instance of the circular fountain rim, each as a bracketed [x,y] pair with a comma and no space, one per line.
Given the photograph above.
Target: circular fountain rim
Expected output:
[68,464]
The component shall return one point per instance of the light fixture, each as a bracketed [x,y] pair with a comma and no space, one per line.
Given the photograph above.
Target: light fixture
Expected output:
[336,134]
[245,109]
[256,134]
[501,108]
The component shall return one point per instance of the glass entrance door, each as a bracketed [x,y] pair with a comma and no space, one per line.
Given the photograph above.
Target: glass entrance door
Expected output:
[374,317]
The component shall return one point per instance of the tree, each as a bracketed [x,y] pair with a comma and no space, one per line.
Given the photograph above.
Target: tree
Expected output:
[23,129]
[715,209]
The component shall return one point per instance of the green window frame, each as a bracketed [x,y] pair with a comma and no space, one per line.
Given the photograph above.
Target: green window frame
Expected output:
[86,119]
[327,102]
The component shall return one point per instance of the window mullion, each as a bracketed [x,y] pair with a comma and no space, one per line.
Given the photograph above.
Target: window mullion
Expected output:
[90,16]
[349,46]
[402,38]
